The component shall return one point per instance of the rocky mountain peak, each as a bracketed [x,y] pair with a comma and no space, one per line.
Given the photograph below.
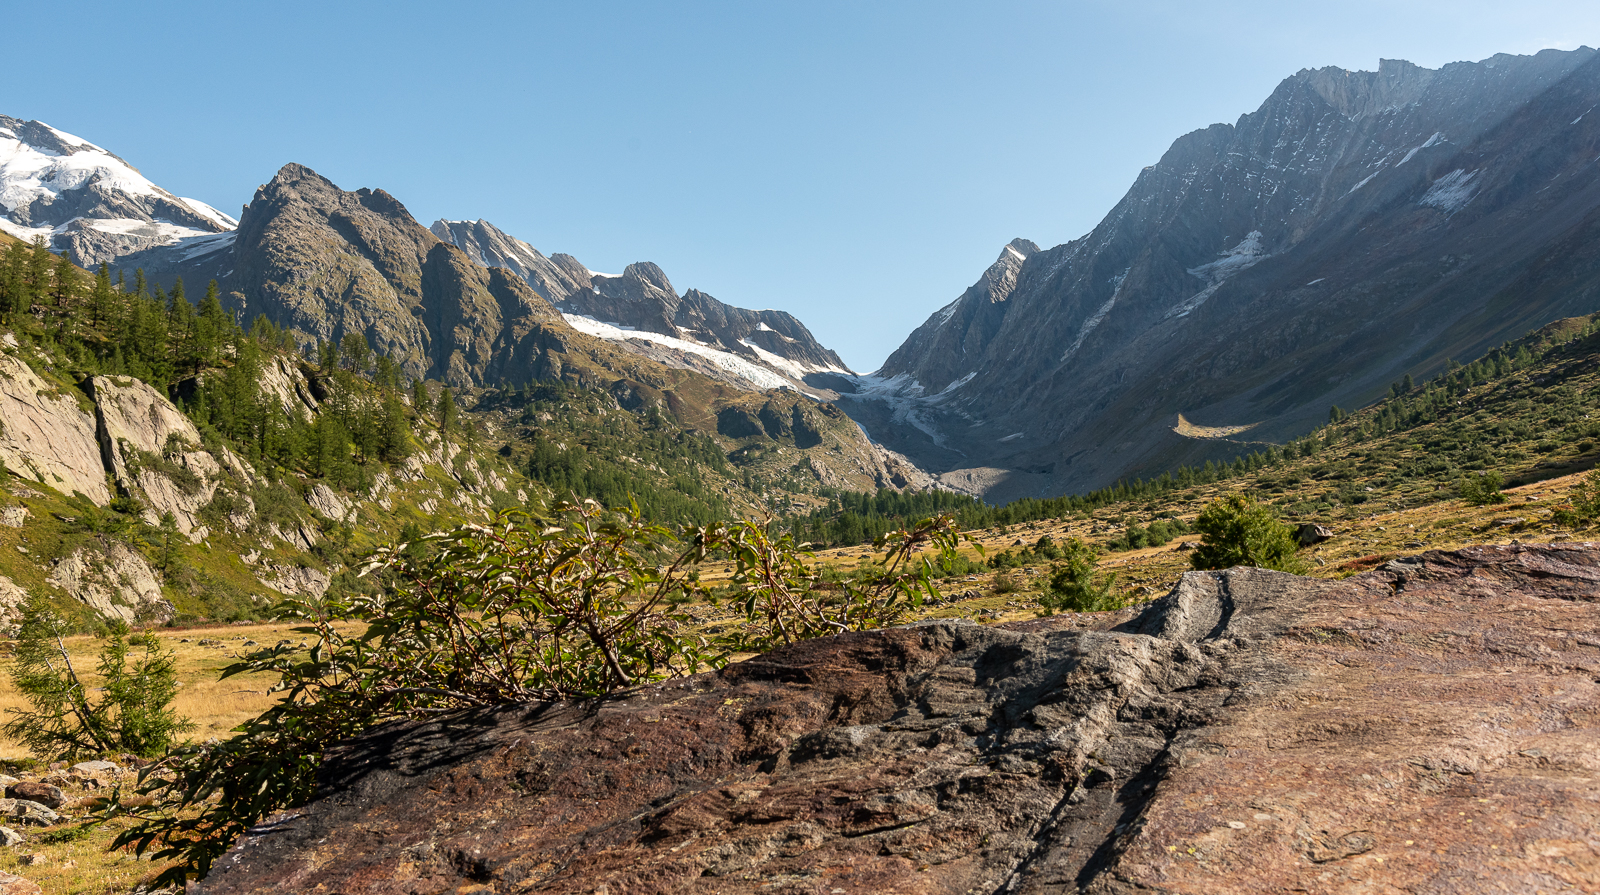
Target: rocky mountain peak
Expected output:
[1360,93]
[759,349]
[651,277]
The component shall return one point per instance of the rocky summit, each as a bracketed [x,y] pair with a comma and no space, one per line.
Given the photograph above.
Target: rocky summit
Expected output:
[1358,227]
[1426,726]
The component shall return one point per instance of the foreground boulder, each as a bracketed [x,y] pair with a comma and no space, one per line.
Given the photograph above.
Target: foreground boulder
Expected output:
[1429,726]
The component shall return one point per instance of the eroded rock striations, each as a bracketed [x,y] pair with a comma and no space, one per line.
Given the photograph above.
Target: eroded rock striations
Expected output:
[1430,726]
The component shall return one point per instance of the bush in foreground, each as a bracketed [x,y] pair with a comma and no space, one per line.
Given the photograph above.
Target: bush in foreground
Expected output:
[1481,488]
[576,604]
[1237,531]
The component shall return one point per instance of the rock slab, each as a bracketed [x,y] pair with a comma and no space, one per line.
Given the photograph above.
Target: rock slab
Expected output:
[1430,726]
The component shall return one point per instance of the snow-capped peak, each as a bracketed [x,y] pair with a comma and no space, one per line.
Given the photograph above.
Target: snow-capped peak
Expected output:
[87,201]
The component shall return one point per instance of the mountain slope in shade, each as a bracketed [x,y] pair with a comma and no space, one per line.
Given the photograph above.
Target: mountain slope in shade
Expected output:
[85,201]
[1357,227]
[641,300]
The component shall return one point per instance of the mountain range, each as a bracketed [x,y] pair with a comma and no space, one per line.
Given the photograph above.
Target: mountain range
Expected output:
[1359,227]
[1356,228]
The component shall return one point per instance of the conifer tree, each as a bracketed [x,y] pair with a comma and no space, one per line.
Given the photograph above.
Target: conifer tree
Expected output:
[447,412]
[421,401]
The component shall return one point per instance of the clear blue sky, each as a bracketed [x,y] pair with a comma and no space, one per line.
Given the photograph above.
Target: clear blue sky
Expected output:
[858,164]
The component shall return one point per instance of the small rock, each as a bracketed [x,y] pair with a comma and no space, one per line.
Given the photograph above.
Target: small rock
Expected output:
[1312,533]
[33,860]
[43,793]
[9,837]
[6,780]
[11,884]
[1507,523]
[1189,545]
[90,768]
[28,812]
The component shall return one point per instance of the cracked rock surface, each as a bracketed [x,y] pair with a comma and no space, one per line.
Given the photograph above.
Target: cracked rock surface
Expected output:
[1430,726]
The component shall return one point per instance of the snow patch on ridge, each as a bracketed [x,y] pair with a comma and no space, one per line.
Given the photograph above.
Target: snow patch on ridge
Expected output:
[755,374]
[1434,140]
[206,211]
[1099,315]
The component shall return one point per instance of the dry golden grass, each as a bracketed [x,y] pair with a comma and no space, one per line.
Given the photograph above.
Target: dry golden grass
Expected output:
[215,706]
[85,866]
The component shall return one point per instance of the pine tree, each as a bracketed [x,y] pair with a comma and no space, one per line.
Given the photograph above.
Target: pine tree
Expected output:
[447,412]
[67,291]
[214,327]
[357,353]
[421,401]
[393,442]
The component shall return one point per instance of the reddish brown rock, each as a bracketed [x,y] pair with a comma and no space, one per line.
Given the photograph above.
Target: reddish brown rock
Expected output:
[1430,726]
[43,793]
[11,884]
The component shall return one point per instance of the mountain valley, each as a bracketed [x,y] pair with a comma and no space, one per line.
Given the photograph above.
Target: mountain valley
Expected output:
[1370,310]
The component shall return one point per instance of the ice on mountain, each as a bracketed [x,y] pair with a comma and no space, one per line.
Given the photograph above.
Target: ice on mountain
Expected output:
[1451,192]
[26,234]
[72,140]
[755,374]
[1366,180]
[1242,257]
[207,211]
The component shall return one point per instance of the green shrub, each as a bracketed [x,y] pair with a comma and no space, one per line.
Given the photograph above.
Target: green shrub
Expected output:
[1237,531]
[1586,496]
[132,713]
[1481,488]
[578,603]
[1075,586]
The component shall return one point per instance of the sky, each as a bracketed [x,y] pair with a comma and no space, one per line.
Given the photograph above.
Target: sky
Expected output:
[858,164]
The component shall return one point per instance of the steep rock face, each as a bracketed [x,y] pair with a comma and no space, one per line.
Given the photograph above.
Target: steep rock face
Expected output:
[45,436]
[136,426]
[1357,227]
[1250,732]
[88,202]
[323,262]
[488,246]
[114,581]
